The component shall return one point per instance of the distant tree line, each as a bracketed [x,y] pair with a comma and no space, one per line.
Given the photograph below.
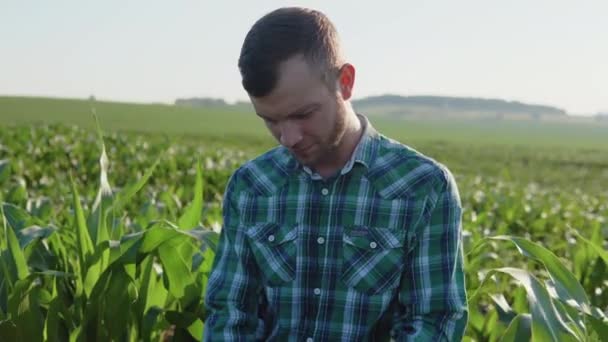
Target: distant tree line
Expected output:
[460,104]
[200,102]
[406,105]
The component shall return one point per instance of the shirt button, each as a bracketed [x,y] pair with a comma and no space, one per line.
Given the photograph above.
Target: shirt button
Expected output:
[317,291]
[270,238]
[373,244]
[324,191]
[320,240]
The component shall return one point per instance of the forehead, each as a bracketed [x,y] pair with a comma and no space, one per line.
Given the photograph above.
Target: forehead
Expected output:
[298,85]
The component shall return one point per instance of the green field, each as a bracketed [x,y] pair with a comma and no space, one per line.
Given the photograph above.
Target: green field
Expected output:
[65,261]
[242,126]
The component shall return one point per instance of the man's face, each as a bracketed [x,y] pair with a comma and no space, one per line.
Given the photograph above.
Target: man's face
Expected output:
[303,114]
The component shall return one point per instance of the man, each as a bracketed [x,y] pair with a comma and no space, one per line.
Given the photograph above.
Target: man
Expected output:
[340,233]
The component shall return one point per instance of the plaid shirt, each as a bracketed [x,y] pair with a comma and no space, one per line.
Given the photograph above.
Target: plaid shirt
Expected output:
[372,253]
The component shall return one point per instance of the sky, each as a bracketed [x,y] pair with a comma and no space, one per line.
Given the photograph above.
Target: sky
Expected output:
[552,52]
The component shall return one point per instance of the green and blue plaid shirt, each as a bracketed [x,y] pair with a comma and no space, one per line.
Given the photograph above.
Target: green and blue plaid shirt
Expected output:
[372,253]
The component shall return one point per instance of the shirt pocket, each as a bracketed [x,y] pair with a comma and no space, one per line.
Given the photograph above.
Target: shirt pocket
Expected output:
[372,258]
[274,248]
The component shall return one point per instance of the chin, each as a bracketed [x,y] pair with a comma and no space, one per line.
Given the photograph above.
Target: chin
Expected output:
[309,161]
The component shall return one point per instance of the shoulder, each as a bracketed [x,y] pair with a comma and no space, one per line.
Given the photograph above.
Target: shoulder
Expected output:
[399,170]
[262,175]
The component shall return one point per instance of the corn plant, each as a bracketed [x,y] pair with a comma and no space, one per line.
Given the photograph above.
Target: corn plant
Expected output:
[93,280]
[557,309]
[93,251]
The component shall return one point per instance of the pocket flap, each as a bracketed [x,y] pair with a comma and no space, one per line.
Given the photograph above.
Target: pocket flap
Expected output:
[372,237]
[272,233]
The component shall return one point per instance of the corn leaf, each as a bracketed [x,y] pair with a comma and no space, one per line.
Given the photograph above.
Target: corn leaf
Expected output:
[124,196]
[192,215]
[600,326]
[156,236]
[25,310]
[29,234]
[8,330]
[176,266]
[149,321]
[118,298]
[16,258]
[16,217]
[568,288]
[519,330]
[598,249]
[5,170]
[547,324]
[84,243]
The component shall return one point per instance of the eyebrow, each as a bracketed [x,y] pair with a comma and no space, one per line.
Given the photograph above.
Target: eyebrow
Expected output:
[300,110]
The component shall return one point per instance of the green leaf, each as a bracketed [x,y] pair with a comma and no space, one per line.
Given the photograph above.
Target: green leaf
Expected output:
[196,330]
[17,193]
[75,335]
[476,318]
[68,308]
[3,298]
[5,170]
[208,257]
[156,236]
[547,325]
[108,312]
[519,330]
[505,313]
[192,216]
[121,252]
[52,324]
[152,291]
[118,298]
[600,251]
[209,238]
[25,310]
[40,257]
[181,319]
[177,265]
[599,326]
[8,330]
[27,235]
[149,321]
[125,251]
[16,217]
[146,284]
[84,243]
[94,266]
[568,313]
[124,196]
[97,221]
[568,288]
[16,259]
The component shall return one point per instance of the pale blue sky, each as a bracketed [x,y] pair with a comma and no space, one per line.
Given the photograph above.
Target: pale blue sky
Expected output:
[544,52]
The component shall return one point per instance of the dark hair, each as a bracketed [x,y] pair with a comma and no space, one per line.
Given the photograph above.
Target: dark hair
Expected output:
[282,34]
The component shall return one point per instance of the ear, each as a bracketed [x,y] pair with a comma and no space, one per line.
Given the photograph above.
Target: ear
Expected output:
[346,80]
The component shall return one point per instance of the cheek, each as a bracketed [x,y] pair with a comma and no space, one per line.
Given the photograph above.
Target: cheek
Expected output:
[318,126]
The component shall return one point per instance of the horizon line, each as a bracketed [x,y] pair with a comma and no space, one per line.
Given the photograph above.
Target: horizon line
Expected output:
[240,101]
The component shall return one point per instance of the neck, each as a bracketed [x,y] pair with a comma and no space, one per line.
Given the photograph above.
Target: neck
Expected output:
[345,149]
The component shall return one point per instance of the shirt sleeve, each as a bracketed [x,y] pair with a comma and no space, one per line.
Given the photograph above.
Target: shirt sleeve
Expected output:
[231,298]
[432,295]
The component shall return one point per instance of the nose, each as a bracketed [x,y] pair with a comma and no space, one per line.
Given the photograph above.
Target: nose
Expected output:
[290,134]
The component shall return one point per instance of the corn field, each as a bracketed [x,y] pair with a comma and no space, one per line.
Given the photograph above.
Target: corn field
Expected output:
[112,237]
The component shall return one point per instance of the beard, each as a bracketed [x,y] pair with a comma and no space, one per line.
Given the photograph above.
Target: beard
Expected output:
[335,138]
[329,147]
